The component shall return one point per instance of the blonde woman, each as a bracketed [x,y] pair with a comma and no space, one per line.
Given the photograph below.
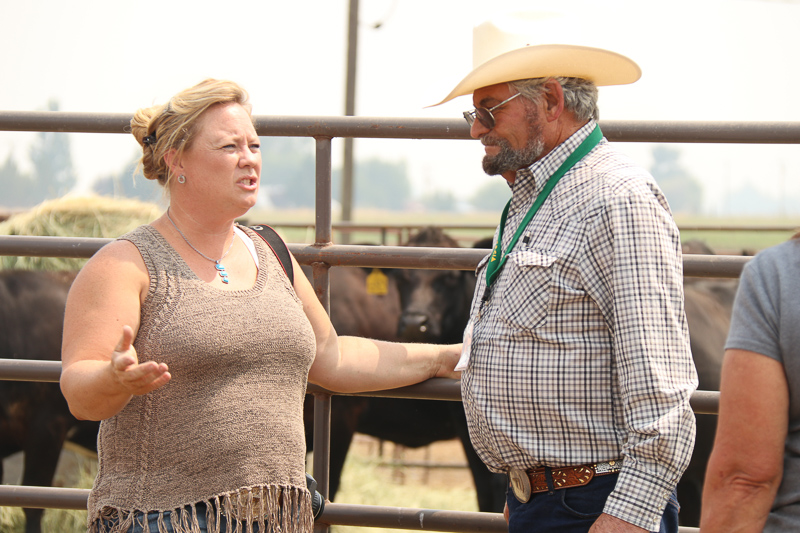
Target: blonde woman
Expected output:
[186,338]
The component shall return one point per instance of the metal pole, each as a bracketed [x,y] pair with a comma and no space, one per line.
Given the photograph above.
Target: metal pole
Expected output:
[321,275]
[349,110]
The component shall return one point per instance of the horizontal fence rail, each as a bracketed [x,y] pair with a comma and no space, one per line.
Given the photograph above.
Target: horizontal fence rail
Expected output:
[334,513]
[747,132]
[415,257]
[703,402]
[361,226]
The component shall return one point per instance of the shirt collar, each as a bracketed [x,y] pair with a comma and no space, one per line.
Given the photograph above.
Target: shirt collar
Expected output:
[529,181]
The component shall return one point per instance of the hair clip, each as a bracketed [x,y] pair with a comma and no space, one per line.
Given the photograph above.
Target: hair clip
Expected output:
[149,139]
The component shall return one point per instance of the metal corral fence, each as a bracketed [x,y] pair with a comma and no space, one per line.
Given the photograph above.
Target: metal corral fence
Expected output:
[323,254]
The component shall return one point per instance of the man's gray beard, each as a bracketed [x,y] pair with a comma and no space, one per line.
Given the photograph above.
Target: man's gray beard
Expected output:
[510,159]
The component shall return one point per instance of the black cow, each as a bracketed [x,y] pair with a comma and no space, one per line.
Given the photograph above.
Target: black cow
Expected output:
[34,417]
[435,303]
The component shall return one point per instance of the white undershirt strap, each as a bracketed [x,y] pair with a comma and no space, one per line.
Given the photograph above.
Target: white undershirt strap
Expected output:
[247,242]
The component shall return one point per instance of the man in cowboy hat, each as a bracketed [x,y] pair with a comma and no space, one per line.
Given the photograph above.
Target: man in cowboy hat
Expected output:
[577,371]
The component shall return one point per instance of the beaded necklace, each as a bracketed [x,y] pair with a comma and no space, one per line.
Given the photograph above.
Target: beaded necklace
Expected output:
[217,264]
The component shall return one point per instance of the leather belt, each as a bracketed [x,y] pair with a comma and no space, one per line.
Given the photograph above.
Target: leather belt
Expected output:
[526,482]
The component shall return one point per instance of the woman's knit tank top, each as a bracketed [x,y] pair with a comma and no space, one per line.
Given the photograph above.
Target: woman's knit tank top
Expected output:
[227,430]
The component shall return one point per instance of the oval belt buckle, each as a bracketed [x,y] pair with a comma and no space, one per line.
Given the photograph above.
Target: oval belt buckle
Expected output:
[520,484]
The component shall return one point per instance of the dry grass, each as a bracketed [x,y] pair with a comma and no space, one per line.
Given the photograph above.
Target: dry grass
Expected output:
[76,469]
[369,478]
[75,216]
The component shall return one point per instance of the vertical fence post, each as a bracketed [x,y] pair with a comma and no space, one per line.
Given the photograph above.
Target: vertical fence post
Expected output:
[322,402]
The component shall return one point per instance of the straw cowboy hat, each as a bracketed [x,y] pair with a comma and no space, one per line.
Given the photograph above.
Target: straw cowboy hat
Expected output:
[500,56]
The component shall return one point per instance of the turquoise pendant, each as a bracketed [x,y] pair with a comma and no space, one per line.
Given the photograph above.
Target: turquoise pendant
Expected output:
[222,273]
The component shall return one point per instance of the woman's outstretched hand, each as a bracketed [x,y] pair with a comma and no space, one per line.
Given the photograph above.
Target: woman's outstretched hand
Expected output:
[135,378]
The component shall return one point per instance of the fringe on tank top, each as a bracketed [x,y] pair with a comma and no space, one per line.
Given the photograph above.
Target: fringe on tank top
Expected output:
[273,509]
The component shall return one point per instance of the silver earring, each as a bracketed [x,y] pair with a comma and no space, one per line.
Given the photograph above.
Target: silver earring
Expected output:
[181,179]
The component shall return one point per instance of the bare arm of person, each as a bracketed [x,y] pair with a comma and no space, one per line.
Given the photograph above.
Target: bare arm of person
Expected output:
[101,370]
[355,364]
[746,464]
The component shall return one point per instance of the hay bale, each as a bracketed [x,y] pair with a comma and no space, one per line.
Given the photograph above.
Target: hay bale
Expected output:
[75,216]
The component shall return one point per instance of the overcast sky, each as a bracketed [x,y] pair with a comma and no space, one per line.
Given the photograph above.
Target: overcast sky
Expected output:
[701,60]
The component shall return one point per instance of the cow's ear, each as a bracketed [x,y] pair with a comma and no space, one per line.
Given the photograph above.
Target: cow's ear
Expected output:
[485,243]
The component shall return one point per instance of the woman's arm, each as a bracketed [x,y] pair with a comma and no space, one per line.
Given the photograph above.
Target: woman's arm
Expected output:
[100,367]
[354,364]
[746,464]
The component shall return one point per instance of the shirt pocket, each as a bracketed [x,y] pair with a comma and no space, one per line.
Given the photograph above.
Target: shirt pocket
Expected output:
[527,285]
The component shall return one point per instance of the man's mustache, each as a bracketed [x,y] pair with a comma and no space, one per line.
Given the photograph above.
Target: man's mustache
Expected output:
[491,141]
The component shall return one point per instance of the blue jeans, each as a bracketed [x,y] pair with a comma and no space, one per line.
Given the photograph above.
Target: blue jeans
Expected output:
[573,510]
[152,520]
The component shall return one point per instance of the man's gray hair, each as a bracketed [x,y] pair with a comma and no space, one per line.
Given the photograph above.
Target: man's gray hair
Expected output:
[580,95]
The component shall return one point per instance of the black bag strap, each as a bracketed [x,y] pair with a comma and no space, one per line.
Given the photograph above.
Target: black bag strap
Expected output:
[278,247]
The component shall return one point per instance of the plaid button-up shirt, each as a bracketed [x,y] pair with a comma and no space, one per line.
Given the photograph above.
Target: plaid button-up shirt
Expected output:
[581,352]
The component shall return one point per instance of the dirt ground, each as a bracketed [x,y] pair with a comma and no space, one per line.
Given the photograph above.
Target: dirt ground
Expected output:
[441,464]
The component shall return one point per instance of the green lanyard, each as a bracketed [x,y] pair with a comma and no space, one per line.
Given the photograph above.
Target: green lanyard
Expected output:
[498,255]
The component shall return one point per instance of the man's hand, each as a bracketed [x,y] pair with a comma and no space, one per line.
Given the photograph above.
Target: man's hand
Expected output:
[610,524]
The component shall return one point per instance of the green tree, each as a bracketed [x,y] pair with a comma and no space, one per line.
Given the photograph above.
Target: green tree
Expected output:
[380,184]
[52,162]
[684,193]
[440,201]
[491,196]
[288,171]
[17,188]
[129,182]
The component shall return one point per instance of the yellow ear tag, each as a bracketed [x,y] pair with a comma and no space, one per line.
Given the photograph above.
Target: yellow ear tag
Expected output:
[377,282]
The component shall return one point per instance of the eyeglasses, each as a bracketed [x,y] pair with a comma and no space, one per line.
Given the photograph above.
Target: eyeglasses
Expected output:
[484,115]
